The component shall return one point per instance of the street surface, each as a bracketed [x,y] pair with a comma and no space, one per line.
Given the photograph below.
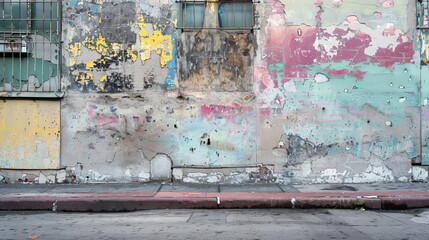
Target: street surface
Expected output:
[218,224]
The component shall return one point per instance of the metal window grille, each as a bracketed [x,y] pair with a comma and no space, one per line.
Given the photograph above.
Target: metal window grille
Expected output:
[422,15]
[30,51]
[231,14]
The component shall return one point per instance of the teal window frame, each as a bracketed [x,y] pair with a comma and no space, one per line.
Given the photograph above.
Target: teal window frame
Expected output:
[234,15]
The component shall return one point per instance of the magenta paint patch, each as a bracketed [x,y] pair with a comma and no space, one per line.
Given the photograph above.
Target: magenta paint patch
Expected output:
[226,111]
[290,51]
[100,119]
[292,48]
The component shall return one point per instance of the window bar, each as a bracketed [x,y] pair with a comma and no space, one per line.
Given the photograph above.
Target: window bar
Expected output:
[226,15]
[11,47]
[34,31]
[50,38]
[4,45]
[194,14]
[58,44]
[42,87]
[184,18]
[20,45]
[424,9]
[253,16]
[28,30]
[245,13]
[234,15]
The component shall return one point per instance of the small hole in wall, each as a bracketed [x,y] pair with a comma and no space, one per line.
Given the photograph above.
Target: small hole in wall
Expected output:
[323,108]
[368,121]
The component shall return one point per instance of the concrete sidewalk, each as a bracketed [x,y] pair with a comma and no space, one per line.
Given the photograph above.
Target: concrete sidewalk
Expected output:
[131,197]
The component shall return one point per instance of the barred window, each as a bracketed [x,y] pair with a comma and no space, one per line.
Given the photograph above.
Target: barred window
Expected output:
[422,15]
[236,15]
[30,37]
[229,14]
[192,14]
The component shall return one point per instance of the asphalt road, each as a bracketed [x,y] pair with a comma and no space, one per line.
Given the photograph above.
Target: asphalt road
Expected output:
[218,224]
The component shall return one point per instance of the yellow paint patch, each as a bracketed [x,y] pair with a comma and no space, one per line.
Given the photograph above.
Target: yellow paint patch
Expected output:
[212,8]
[89,43]
[131,53]
[103,78]
[156,42]
[424,50]
[29,134]
[75,51]
[101,45]
[116,48]
[90,65]
[161,44]
[84,78]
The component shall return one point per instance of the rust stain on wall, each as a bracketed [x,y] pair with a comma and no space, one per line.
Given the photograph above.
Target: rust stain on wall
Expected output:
[216,60]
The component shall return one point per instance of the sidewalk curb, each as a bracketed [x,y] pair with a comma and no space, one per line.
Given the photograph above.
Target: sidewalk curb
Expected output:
[106,202]
[404,202]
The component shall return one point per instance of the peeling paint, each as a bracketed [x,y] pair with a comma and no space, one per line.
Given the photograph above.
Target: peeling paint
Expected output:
[319,91]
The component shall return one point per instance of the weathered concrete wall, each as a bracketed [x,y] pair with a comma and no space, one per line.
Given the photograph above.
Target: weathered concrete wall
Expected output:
[320,91]
[338,90]
[29,134]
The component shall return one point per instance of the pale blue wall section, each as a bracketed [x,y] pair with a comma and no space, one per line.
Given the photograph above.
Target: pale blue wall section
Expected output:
[425,114]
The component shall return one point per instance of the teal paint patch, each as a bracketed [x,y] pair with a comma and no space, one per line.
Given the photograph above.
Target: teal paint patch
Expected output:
[218,139]
[172,67]
[16,71]
[425,114]
[355,116]
[73,3]
[95,8]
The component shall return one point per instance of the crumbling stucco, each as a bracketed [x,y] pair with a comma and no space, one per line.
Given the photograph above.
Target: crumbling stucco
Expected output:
[318,91]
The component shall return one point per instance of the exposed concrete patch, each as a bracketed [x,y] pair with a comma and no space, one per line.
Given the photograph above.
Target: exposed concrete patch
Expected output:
[420,173]
[161,166]
[61,176]
[144,177]
[42,178]
[399,165]
[177,174]
[264,174]
[97,177]
[300,149]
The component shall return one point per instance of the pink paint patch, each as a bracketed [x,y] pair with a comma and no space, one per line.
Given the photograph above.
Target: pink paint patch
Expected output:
[358,75]
[317,2]
[352,19]
[337,3]
[101,119]
[136,119]
[91,112]
[378,15]
[262,77]
[265,112]
[387,57]
[426,113]
[293,45]
[337,73]
[387,3]
[227,112]
[113,120]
